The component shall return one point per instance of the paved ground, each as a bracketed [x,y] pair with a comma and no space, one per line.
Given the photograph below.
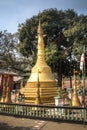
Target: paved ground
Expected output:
[13,123]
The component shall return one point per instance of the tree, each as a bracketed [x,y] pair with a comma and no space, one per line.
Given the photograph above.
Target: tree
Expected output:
[61,29]
[6,47]
[9,52]
[77,36]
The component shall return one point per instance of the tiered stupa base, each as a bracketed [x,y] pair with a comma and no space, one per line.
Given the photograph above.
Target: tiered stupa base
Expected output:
[44,92]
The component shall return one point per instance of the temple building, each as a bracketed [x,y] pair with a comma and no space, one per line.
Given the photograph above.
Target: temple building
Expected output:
[41,87]
[6,84]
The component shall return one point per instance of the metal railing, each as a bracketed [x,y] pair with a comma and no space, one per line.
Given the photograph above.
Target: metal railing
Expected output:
[62,113]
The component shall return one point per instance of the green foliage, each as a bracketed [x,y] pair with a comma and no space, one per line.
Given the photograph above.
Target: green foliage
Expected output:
[27,33]
[9,52]
[65,33]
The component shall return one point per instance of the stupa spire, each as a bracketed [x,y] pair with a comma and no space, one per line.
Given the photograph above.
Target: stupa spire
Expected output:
[40,54]
[45,73]
[39,30]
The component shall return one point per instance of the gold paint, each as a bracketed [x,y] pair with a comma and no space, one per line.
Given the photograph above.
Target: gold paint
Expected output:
[45,71]
[75,99]
[41,87]
[37,101]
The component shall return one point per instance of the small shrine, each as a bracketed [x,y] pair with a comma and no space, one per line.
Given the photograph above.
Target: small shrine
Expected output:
[75,98]
[62,99]
[6,85]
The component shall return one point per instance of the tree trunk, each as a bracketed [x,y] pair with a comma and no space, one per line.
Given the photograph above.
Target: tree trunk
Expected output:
[70,82]
[60,74]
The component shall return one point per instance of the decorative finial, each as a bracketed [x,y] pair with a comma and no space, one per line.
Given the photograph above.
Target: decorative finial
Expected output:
[39,30]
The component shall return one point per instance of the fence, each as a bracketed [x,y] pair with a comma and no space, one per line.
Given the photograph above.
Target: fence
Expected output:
[62,113]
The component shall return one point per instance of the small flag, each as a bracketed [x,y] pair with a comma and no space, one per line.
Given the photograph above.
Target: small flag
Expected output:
[82,61]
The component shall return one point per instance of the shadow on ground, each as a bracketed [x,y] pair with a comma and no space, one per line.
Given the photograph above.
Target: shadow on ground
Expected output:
[5,126]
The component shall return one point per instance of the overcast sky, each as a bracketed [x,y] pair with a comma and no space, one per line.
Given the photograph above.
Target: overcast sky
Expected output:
[14,12]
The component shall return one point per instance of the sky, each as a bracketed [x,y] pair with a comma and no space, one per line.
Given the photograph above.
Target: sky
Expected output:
[15,12]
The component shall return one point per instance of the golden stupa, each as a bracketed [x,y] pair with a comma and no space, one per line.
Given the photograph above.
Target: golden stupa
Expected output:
[41,87]
[75,99]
